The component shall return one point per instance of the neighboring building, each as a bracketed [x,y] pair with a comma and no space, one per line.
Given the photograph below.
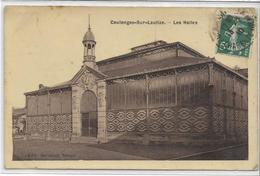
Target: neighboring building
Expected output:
[19,121]
[158,92]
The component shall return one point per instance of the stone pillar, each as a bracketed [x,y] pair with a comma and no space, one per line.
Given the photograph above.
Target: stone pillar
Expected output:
[76,116]
[101,99]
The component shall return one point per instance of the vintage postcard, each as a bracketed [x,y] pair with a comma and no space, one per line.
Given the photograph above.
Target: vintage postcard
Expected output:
[131,88]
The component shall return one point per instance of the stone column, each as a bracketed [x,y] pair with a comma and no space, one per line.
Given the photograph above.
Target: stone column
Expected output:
[76,116]
[101,99]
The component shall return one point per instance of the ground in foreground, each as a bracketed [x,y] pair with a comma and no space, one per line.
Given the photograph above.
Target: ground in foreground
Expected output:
[51,150]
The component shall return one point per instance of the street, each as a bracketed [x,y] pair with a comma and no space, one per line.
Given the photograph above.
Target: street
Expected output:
[54,150]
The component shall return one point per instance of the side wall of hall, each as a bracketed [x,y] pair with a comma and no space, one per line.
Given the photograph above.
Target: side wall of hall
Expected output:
[168,105]
[230,105]
[49,115]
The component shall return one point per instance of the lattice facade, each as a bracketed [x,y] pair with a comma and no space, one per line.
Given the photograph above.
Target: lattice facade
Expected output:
[189,119]
[195,100]
[231,122]
[230,106]
[218,120]
[54,126]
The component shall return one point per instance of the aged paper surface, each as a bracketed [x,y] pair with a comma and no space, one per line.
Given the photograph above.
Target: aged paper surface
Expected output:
[45,46]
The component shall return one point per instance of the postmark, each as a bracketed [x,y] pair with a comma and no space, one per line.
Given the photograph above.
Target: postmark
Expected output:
[235,35]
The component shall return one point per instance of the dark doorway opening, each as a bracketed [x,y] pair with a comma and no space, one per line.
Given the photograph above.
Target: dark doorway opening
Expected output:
[88,109]
[89,124]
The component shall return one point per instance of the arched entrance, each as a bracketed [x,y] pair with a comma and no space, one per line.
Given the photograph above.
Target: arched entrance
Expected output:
[88,110]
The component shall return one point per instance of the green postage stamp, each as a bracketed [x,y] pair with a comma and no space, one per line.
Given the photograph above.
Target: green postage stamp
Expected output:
[235,35]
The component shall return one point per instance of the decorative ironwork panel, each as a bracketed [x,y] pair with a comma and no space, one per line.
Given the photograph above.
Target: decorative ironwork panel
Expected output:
[55,125]
[162,120]
[190,119]
[193,119]
[242,123]
[126,121]
[236,121]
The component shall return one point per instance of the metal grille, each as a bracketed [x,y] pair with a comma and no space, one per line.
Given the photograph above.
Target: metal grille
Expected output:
[189,119]
[58,126]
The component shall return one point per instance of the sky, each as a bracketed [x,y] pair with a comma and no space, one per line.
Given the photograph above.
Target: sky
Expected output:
[43,45]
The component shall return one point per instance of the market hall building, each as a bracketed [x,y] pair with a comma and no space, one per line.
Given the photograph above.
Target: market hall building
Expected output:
[158,92]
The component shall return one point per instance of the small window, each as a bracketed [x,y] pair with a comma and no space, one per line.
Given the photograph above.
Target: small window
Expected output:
[89,46]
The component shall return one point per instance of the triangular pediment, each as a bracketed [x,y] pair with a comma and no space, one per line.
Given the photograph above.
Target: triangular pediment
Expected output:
[86,72]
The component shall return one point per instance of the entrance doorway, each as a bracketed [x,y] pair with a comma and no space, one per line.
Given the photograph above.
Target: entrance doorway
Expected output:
[88,110]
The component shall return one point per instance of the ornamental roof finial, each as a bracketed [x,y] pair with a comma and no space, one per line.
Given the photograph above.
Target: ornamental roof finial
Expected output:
[89,22]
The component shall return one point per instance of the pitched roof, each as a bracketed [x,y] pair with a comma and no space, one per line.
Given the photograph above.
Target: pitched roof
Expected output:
[166,65]
[18,111]
[61,85]
[243,71]
[148,45]
[70,82]
[161,45]
[153,66]
[144,67]
[229,69]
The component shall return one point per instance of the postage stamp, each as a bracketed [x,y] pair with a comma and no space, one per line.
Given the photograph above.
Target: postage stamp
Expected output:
[235,35]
